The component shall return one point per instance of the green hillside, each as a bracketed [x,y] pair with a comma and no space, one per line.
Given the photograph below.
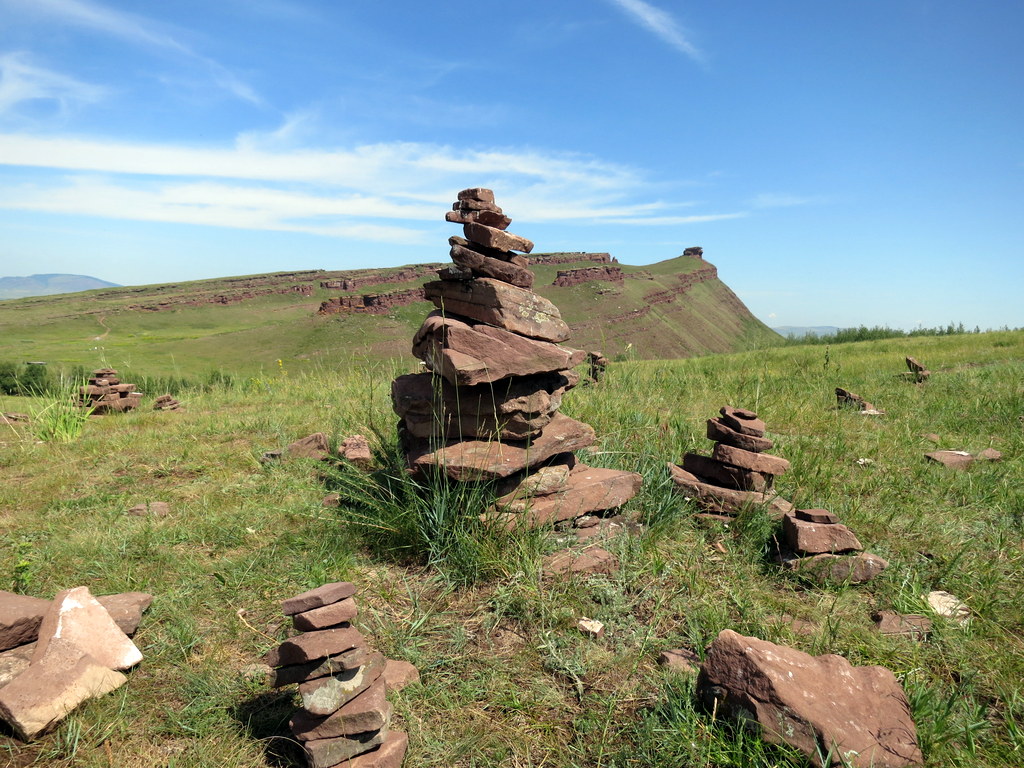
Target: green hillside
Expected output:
[246,324]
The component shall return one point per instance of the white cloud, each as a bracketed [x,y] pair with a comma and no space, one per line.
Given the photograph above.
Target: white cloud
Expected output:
[674,220]
[23,81]
[135,30]
[661,24]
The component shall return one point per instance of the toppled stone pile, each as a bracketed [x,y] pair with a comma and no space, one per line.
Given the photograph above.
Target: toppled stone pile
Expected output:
[58,654]
[488,408]
[166,403]
[846,398]
[917,371]
[818,547]
[819,704]
[345,717]
[105,393]
[738,473]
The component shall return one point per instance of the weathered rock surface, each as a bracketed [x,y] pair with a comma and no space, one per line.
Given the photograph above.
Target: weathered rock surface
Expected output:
[328,753]
[368,711]
[592,560]
[310,646]
[590,489]
[743,421]
[492,219]
[326,616]
[390,754]
[498,239]
[905,624]
[469,460]
[756,462]
[52,686]
[325,695]
[815,538]
[76,617]
[317,597]
[20,617]
[720,432]
[298,673]
[839,569]
[491,301]
[726,475]
[814,703]
[14,661]
[466,353]
[951,459]
[355,449]
[398,674]
[679,660]
[816,516]
[126,609]
[482,264]
[716,499]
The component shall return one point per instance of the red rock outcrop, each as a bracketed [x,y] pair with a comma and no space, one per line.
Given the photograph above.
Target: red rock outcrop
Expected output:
[371,303]
[573,257]
[566,278]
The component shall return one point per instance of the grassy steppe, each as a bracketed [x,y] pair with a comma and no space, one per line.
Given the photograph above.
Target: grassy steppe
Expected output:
[507,680]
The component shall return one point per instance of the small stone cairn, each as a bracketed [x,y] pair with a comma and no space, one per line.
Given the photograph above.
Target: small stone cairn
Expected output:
[488,408]
[819,547]
[345,717]
[738,473]
[105,393]
[166,403]
[917,371]
[847,399]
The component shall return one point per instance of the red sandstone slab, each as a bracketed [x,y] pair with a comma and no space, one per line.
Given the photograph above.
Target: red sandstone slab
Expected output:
[741,421]
[493,302]
[487,218]
[390,754]
[126,609]
[20,617]
[715,499]
[756,462]
[467,353]
[325,695]
[500,240]
[310,646]
[482,265]
[367,711]
[300,673]
[328,753]
[491,459]
[722,433]
[815,538]
[590,489]
[326,616]
[481,194]
[75,616]
[317,597]
[725,475]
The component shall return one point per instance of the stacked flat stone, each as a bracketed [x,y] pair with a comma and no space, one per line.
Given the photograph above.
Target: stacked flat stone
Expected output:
[917,372]
[738,473]
[105,393]
[824,550]
[488,408]
[345,716]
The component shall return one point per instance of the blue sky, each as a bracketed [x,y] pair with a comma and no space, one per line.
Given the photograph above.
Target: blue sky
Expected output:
[841,163]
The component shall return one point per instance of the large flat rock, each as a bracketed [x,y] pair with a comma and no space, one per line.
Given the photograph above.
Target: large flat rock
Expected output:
[500,304]
[20,617]
[814,703]
[489,264]
[310,646]
[590,489]
[367,711]
[75,616]
[390,754]
[499,239]
[467,460]
[712,498]
[468,353]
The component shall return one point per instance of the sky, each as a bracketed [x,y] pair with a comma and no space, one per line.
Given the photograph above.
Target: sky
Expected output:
[840,163]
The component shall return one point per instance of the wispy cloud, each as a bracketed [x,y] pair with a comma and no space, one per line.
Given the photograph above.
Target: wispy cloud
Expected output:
[662,24]
[23,81]
[135,30]
[782,200]
[390,192]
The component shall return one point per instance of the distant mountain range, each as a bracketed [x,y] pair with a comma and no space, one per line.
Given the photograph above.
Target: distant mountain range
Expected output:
[46,285]
[795,331]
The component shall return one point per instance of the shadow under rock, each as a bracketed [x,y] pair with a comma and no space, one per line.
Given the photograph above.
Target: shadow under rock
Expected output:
[265,718]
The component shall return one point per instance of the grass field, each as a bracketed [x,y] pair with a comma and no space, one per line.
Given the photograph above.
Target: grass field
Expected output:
[507,680]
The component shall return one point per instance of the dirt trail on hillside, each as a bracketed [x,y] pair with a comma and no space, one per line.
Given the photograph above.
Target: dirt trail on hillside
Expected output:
[106,328]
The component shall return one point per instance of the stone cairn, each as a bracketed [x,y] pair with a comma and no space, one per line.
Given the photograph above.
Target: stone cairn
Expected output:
[817,546]
[847,399]
[916,372]
[105,393]
[488,408]
[166,403]
[345,717]
[737,474]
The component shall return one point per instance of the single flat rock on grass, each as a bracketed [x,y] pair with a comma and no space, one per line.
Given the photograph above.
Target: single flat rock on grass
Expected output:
[310,646]
[468,353]
[905,624]
[150,509]
[368,711]
[679,660]
[398,674]
[78,618]
[326,616]
[467,460]
[839,569]
[951,459]
[494,302]
[325,695]
[814,703]
[390,754]
[590,561]
[43,694]
[815,538]
[318,597]
[20,617]
[126,609]
[355,449]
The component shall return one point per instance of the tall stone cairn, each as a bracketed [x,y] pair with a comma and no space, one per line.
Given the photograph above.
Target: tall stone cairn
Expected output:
[105,393]
[345,717]
[488,408]
[738,473]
